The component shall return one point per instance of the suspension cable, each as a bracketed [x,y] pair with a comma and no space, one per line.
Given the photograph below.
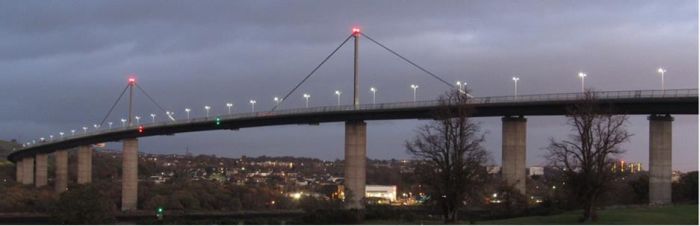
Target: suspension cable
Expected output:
[154,102]
[409,61]
[312,72]
[114,105]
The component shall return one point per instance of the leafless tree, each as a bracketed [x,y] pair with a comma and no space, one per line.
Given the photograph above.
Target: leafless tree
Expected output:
[586,157]
[451,156]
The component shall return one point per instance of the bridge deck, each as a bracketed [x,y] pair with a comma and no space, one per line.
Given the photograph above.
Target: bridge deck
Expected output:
[681,101]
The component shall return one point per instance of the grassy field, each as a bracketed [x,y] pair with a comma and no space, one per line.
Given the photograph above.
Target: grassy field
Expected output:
[678,214]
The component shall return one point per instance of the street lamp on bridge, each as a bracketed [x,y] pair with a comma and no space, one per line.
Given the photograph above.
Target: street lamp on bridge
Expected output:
[252,105]
[207,108]
[662,71]
[109,124]
[277,100]
[84,130]
[187,110]
[153,118]
[515,89]
[60,134]
[374,94]
[123,122]
[414,87]
[338,93]
[72,132]
[137,119]
[229,105]
[461,86]
[307,96]
[583,81]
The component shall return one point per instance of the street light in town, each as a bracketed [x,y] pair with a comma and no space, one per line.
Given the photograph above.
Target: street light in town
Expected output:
[414,87]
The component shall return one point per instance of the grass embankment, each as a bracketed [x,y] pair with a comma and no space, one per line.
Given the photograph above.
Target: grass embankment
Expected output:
[673,215]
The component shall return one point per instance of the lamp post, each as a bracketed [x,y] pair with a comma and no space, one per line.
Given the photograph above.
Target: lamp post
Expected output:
[662,71]
[515,89]
[153,118]
[207,108]
[338,93]
[187,110]
[109,124]
[123,122]
[61,134]
[277,100]
[84,130]
[72,132]
[461,86]
[414,87]
[307,96]
[252,105]
[374,94]
[50,137]
[229,105]
[137,119]
[583,81]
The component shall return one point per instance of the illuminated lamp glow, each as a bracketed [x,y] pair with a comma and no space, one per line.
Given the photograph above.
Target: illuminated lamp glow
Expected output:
[355,30]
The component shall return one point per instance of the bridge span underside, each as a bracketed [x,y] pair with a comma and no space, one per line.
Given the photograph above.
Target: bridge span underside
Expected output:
[660,105]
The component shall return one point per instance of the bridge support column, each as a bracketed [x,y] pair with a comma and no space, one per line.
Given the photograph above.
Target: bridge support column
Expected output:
[130,174]
[513,152]
[61,181]
[28,170]
[41,170]
[355,163]
[19,170]
[660,131]
[84,164]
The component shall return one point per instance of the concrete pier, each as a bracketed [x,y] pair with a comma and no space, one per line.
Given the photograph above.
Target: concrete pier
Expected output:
[84,164]
[42,170]
[130,174]
[19,170]
[28,170]
[660,131]
[61,180]
[513,148]
[355,163]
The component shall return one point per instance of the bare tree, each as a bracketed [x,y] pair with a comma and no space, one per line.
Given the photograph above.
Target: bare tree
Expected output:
[452,160]
[586,156]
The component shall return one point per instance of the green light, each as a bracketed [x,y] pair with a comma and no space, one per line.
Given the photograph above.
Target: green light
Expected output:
[160,210]
[218,121]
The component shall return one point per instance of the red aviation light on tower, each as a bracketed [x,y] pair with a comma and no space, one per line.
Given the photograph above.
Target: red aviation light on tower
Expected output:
[356,31]
[132,80]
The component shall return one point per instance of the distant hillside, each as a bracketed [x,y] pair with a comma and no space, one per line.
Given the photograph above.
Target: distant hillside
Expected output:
[6,148]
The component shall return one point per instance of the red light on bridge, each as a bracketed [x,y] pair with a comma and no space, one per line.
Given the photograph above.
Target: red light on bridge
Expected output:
[132,80]
[140,129]
[355,30]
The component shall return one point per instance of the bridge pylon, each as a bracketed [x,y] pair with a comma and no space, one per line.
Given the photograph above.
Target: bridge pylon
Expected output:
[355,145]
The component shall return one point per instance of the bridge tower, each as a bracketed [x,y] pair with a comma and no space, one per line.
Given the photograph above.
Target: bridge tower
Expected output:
[355,145]
[130,161]
[660,156]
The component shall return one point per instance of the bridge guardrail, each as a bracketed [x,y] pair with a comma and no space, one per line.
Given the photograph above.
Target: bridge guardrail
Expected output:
[629,94]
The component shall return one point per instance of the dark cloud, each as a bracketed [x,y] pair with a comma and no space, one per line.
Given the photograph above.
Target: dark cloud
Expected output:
[65,62]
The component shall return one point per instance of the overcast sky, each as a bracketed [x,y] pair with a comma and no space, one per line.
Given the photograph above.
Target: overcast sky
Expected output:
[64,63]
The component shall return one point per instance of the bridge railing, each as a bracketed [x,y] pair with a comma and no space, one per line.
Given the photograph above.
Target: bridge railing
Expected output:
[606,95]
